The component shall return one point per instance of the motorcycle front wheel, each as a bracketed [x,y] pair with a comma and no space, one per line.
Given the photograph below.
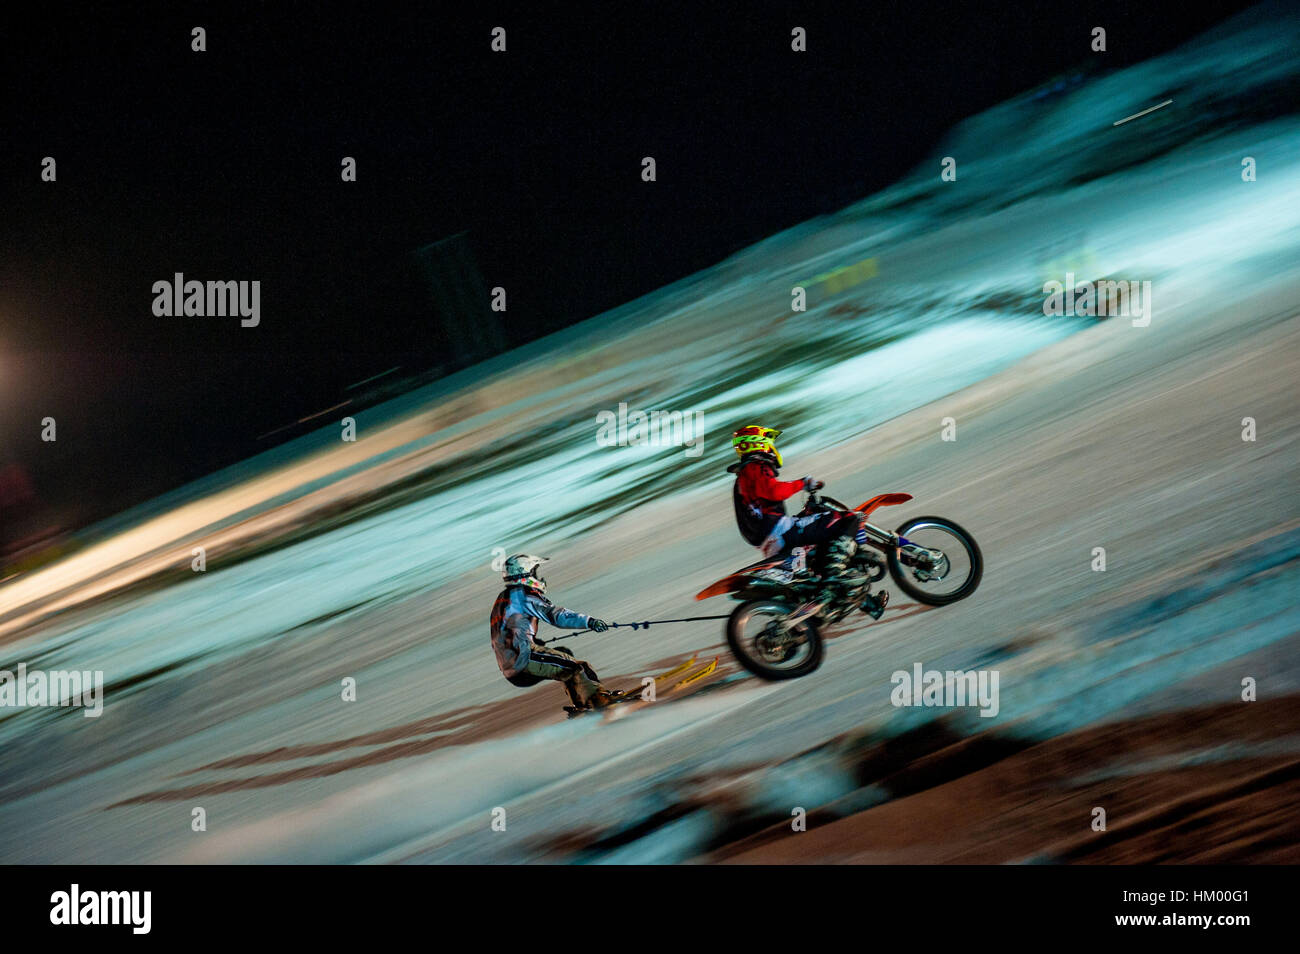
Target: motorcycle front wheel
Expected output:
[942,565]
[757,641]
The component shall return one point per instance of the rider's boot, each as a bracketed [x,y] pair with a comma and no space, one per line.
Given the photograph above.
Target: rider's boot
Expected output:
[835,580]
[874,605]
[585,691]
[601,699]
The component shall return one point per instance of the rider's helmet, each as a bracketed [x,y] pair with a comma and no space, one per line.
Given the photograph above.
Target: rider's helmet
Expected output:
[521,570]
[756,439]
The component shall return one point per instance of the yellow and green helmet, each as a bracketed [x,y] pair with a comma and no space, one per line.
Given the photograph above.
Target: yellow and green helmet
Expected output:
[755,438]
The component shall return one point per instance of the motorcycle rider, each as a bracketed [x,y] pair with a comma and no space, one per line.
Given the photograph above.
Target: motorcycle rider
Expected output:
[759,500]
[524,661]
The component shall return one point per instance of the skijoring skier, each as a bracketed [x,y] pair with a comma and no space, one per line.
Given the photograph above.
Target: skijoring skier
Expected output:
[759,500]
[514,631]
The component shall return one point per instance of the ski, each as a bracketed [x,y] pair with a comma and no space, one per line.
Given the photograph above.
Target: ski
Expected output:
[668,673]
[634,695]
[693,677]
[696,676]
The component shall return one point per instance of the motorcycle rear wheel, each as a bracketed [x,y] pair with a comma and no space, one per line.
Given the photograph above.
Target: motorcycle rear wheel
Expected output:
[745,633]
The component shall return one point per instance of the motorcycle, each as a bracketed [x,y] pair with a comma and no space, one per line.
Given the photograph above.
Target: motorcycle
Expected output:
[932,560]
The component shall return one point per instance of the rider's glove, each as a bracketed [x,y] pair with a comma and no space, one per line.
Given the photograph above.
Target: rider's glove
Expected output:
[596,625]
[810,484]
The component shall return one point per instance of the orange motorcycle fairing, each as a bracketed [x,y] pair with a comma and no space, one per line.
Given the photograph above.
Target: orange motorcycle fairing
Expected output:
[737,580]
[882,500]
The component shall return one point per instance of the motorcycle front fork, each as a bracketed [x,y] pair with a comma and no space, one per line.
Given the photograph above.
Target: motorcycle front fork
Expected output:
[879,538]
[908,553]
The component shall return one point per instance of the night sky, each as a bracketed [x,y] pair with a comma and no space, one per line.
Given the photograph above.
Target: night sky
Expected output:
[225,165]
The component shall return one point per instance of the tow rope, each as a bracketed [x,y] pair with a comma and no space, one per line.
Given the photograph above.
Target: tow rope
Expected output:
[641,625]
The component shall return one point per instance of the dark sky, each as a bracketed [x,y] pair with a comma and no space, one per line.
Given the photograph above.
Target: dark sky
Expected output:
[225,165]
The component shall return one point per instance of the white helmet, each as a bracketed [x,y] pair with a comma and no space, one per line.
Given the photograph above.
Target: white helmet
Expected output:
[521,570]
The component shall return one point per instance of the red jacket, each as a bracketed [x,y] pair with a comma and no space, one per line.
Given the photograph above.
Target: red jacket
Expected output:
[759,496]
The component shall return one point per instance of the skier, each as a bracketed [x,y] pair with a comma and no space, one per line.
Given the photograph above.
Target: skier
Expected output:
[523,661]
[759,500]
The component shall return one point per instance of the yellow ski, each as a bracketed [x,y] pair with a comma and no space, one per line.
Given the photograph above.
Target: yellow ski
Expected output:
[697,675]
